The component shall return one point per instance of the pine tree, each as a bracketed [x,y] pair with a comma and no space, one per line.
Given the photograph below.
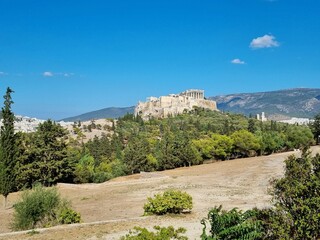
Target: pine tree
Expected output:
[7,148]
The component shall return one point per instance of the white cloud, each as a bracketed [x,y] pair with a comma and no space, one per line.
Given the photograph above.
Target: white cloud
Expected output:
[237,61]
[266,41]
[47,74]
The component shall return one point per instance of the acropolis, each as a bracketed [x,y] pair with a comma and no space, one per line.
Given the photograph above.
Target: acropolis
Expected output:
[173,104]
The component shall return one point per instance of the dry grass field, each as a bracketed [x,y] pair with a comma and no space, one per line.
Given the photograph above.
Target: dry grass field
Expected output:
[110,209]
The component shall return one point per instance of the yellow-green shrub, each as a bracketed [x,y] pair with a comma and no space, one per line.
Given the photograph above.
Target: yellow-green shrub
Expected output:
[171,201]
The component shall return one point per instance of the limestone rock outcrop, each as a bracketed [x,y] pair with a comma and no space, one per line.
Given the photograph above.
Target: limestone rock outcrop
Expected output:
[173,104]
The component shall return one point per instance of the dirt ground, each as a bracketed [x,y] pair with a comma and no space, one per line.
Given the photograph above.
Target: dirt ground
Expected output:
[110,209]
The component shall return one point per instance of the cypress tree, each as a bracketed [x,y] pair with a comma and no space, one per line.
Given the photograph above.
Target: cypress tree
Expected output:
[7,148]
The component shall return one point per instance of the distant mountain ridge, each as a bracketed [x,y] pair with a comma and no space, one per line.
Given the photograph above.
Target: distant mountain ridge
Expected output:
[281,104]
[110,112]
[277,105]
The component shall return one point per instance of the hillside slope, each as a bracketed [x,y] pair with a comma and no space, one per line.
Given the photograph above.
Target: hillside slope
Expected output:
[111,112]
[278,105]
[298,102]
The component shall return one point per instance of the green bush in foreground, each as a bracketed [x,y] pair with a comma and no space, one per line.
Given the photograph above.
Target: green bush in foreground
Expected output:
[162,233]
[233,224]
[42,207]
[171,201]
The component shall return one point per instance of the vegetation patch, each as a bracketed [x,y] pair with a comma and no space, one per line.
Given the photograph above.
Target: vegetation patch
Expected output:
[161,233]
[171,201]
[233,224]
[42,207]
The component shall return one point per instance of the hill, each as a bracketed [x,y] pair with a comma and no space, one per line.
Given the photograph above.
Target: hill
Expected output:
[282,104]
[111,112]
[278,105]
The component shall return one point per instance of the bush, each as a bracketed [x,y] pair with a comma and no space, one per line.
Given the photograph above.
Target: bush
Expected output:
[233,224]
[171,201]
[38,207]
[68,216]
[162,233]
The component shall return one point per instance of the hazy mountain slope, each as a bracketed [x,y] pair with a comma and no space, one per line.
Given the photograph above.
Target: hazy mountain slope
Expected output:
[281,104]
[111,112]
[299,102]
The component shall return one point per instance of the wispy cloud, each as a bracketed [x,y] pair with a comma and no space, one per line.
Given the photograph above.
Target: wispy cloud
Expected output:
[47,74]
[3,74]
[237,61]
[266,41]
[66,74]
[52,74]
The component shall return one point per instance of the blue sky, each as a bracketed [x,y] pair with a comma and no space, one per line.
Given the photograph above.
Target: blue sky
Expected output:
[64,57]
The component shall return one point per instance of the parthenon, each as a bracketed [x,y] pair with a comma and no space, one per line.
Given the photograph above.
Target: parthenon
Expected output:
[173,104]
[194,93]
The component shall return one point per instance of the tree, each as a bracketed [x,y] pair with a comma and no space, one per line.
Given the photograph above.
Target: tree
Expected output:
[136,155]
[299,137]
[7,149]
[297,200]
[166,152]
[46,159]
[251,125]
[222,146]
[204,147]
[315,126]
[270,142]
[244,143]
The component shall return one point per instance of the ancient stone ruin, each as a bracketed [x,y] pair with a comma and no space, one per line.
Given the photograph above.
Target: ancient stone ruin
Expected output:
[173,104]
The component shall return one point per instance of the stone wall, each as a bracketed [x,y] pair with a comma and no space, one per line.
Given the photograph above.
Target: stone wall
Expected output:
[173,104]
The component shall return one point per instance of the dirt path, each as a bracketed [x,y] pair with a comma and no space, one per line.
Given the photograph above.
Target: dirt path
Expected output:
[117,205]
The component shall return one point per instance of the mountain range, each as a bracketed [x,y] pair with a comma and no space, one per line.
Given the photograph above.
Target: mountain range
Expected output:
[277,105]
[281,104]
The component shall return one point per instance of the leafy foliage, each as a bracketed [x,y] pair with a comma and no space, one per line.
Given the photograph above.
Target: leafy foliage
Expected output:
[69,216]
[43,156]
[171,201]
[297,200]
[245,143]
[162,233]
[299,137]
[41,207]
[233,224]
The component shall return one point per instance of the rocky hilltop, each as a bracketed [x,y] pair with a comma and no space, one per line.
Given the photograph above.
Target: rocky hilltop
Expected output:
[28,124]
[277,105]
[173,104]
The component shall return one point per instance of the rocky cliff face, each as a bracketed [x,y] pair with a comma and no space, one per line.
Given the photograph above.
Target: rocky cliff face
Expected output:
[278,105]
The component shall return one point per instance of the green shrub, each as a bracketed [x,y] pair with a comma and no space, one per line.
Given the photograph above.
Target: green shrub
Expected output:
[162,233]
[38,207]
[233,224]
[69,216]
[171,201]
